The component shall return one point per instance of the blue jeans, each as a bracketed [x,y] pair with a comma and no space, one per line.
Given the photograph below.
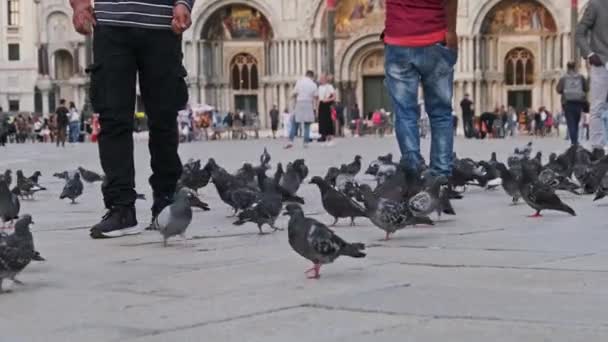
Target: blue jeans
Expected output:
[405,69]
[74,132]
[294,131]
[605,121]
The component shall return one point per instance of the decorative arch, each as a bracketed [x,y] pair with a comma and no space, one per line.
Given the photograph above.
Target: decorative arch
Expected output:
[487,7]
[64,65]
[209,10]
[244,74]
[355,51]
[313,19]
[519,67]
[58,27]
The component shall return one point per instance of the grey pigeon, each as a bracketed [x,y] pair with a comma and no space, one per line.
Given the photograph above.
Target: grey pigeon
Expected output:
[89,176]
[540,196]
[9,204]
[26,187]
[337,204]
[433,199]
[7,177]
[602,190]
[389,215]
[35,177]
[317,243]
[265,158]
[72,189]
[16,251]
[193,176]
[175,218]
[509,183]
[354,167]
[65,175]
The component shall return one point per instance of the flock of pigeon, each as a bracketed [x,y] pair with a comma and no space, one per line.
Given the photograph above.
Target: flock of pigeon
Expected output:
[389,196]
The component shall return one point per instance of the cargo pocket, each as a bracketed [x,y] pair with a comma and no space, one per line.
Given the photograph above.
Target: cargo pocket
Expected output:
[181,94]
[97,87]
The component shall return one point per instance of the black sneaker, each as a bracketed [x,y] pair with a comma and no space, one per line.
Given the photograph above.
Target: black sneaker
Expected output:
[118,221]
[159,204]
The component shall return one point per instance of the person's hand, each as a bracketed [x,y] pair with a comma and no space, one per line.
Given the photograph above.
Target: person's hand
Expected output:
[181,18]
[595,60]
[83,17]
[451,40]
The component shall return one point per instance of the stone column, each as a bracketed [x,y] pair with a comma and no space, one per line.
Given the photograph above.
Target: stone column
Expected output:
[310,47]
[281,102]
[319,58]
[330,34]
[565,50]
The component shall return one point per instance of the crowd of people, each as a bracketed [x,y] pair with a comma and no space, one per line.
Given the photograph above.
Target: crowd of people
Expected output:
[66,124]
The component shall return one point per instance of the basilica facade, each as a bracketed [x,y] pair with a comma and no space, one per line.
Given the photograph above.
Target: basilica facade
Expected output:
[247,54]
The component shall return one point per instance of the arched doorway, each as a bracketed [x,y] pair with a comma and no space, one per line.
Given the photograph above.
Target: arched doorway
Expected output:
[520,55]
[235,58]
[244,78]
[63,65]
[519,78]
[375,95]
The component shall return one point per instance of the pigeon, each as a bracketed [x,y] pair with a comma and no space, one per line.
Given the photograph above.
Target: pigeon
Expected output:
[337,204]
[196,202]
[141,197]
[26,187]
[16,251]
[7,177]
[355,167]
[509,183]
[175,218]
[89,176]
[387,214]
[540,196]
[590,175]
[331,175]
[226,184]
[9,204]
[73,188]
[434,199]
[35,177]
[293,177]
[65,175]
[265,158]
[317,243]
[193,177]
[267,208]
[602,190]
[557,181]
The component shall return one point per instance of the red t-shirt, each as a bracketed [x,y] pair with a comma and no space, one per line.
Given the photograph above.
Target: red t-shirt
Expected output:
[415,22]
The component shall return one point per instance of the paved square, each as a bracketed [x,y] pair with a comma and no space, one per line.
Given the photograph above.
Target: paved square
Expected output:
[489,274]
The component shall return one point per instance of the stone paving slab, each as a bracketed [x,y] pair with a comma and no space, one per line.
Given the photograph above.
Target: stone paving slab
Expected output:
[488,274]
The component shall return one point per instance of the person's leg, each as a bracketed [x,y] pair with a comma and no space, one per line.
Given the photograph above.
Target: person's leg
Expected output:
[113,97]
[437,82]
[402,80]
[164,92]
[598,103]
[306,132]
[573,118]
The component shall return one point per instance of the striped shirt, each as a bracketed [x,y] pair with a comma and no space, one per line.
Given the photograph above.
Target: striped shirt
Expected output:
[153,14]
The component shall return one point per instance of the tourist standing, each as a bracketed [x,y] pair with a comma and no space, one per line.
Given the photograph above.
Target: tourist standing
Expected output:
[466,105]
[327,96]
[274,121]
[74,123]
[61,123]
[573,88]
[135,41]
[422,47]
[306,95]
[511,121]
[354,119]
[592,39]
[287,119]
[339,108]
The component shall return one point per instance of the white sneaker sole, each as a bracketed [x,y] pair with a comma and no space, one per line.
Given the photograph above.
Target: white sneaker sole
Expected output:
[123,232]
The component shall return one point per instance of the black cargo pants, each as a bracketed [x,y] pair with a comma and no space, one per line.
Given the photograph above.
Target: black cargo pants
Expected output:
[120,55]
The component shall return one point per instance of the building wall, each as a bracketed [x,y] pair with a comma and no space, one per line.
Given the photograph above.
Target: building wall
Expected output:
[297,45]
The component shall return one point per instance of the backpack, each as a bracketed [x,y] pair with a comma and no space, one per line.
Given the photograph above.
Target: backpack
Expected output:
[574,88]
